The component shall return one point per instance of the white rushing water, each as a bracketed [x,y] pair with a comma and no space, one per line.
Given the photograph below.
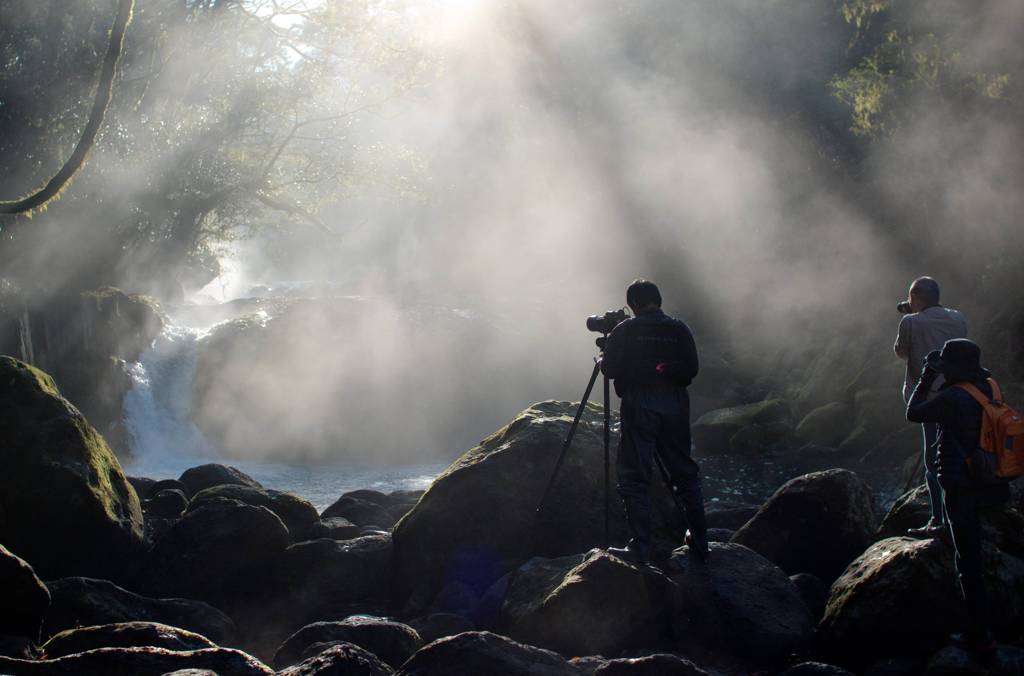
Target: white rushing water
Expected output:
[165,442]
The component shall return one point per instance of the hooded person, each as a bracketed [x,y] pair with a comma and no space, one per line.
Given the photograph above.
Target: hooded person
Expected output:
[958,417]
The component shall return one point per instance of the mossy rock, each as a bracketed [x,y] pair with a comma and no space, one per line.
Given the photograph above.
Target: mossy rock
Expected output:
[66,505]
[826,425]
[714,429]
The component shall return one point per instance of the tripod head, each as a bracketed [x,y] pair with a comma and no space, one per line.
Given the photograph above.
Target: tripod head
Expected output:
[601,341]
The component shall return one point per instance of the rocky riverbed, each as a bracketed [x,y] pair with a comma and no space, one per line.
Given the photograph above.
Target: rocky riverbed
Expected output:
[104,573]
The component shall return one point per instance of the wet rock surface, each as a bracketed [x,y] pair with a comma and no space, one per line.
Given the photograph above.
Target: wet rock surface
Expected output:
[877,603]
[595,604]
[484,653]
[67,507]
[198,478]
[741,602]
[144,661]
[81,601]
[123,635]
[817,524]
[344,659]
[25,598]
[393,642]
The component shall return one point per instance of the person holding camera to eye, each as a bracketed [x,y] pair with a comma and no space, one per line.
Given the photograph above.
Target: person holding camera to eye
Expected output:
[653,358]
[926,326]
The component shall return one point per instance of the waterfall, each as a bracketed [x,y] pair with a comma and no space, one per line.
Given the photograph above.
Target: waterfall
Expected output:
[158,408]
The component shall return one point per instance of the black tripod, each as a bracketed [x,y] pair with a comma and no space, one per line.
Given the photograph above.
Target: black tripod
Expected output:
[607,443]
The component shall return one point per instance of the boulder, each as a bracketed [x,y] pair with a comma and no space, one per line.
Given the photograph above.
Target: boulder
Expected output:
[813,591]
[196,479]
[144,661]
[1007,660]
[440,625]
[740,602]
[1002,524]
[26,598]
[322,579]
[900,597]
[815,669]
[249,495]
[298,514]
[456,597]
[826,425]
[123,635]
[223,552]
[169,503]
[728,515]
[816,523]
[714,429]
[360,512]
[478,519]
[79,601]
[142,485]
[756,438]
[369,495]
[878,413]
[393,642]
[66,506]
[344,659]
[658,664]
[335,528]
[481,652]
[163,485]
[895,449]
[586,605]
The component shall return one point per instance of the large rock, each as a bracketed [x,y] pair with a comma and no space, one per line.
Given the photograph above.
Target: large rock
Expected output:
[123,635]
[713,431]
[739,602]
[144,661]
[900,597]
[658,664]
[322,579]
[198,478]
[481,652]
[826,425]
[480,513]
[298,514]
[954,661]
[344,659]
[79,601]
[587,605]
[26,598]
[393,642]
[816,523]
[878,413]
[360,512]
[225,553]
[169,503]
[911,510]
[65,505]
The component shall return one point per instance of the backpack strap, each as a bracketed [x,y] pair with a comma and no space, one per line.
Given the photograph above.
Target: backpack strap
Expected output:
[979,396]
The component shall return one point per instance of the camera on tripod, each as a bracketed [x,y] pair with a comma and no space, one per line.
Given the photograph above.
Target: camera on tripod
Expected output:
[606,322]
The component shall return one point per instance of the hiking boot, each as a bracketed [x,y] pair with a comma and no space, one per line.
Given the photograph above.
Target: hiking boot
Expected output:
[699,548]
[979,643]
[931,530]
[629,554]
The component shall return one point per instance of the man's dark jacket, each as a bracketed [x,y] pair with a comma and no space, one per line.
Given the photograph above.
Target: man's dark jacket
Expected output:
[636,347]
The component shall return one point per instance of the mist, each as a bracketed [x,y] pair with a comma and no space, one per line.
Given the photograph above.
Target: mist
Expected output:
[507,175]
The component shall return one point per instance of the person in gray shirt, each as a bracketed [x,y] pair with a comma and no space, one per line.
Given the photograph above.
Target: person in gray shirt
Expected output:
[926,327]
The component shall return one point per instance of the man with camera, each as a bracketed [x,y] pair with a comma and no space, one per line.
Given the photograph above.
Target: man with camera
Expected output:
[653,359]
[926,326]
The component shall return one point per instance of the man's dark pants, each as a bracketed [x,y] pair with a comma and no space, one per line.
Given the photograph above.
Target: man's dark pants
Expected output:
[930,432]
[645,432]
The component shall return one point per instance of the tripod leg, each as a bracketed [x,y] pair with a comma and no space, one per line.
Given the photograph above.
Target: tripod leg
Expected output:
[568,438]
[672,490]
[607,444]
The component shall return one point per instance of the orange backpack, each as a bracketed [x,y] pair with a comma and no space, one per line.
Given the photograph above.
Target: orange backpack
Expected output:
[1000,453]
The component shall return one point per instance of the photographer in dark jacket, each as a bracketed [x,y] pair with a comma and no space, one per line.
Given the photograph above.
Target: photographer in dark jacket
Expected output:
[959,418]
[653,358]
